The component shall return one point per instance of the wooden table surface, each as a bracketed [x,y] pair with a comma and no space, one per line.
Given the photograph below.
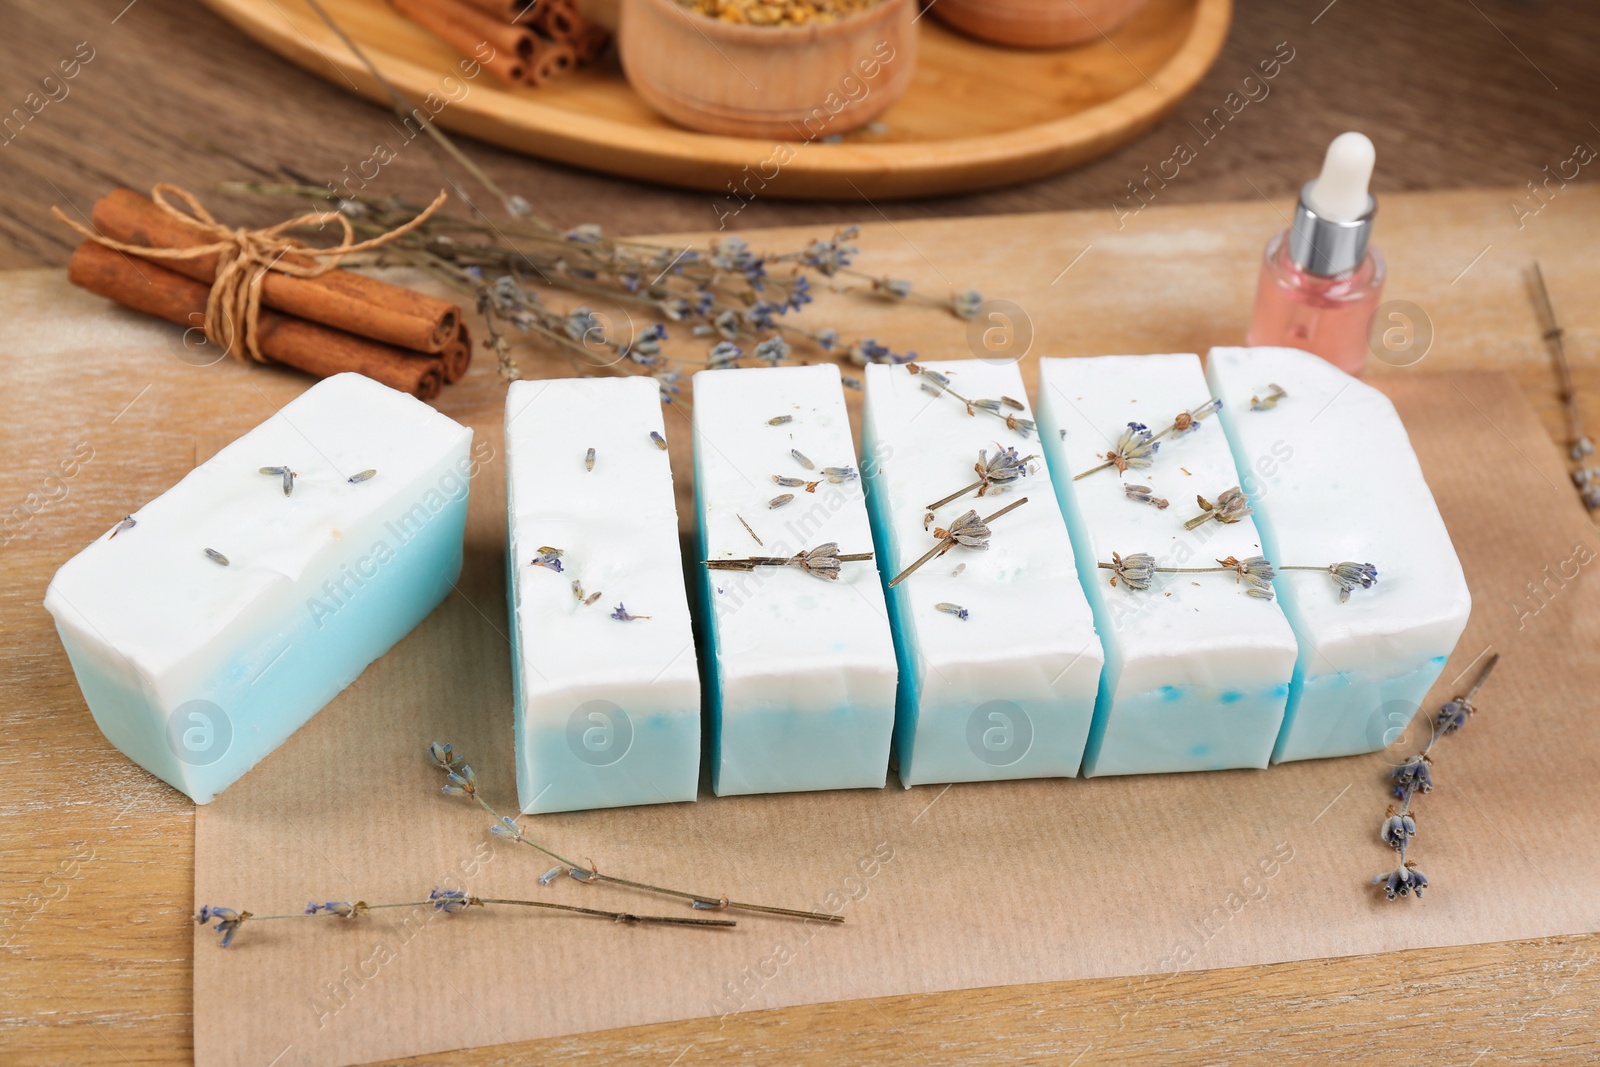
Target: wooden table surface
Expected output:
[96,857]
[1456,94]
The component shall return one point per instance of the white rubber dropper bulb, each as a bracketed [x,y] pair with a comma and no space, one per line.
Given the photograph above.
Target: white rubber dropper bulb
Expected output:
[1340,191]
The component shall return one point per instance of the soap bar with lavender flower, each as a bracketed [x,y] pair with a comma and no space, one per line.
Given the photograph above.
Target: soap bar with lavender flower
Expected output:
[999,661]
[605,681]
[800,660]
[1336,485]
[1198,665]
[213,622]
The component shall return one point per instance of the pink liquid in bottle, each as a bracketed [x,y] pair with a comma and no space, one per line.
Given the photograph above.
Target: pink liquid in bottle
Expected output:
[1327,316]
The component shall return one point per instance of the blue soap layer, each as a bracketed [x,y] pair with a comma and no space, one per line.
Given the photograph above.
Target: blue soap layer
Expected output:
[1184,728]
[779,750]
[648,759]
[271,689]
[1345,713]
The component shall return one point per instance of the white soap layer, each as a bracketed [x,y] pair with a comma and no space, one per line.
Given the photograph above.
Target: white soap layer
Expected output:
[1334,479]
[198,670]
[802,668]
[1197,672]
[1009,691]
[607,711]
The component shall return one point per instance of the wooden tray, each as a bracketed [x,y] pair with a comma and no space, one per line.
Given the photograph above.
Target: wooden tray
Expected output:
[976,116]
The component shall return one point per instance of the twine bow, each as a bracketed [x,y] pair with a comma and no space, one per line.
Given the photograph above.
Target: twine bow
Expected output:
[244,257]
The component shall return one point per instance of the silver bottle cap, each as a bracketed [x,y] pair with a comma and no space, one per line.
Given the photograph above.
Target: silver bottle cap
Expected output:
[1326,248]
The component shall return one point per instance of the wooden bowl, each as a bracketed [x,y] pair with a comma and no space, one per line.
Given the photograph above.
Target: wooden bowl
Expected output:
[800,83]
[1036,23]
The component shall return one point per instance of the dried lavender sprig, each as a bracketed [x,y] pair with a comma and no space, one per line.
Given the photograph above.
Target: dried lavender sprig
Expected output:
[942,382]
[1136,570]
[967,530]
[1138,446]
[1001,469]
[463,782]
[1416,776]
[820,562]
[1347,576]
[449,901]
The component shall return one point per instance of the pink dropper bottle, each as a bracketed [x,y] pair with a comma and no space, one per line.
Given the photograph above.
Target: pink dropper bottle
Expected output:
[1320,281]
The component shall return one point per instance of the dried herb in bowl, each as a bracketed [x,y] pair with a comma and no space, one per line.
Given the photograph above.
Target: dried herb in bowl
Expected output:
[777,12]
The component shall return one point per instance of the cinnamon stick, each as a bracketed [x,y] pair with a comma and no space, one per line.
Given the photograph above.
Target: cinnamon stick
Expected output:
[550,59]
[312,347]
[342,299]
[465,29]
[457,355]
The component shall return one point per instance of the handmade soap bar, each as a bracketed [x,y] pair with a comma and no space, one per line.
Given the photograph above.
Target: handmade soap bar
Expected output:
[607,690]
[1197,669]
[999,661]
[218,618]
[1331,473]
[801,662]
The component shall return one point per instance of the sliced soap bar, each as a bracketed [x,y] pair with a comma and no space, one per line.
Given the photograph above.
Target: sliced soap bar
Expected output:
[801,667]
[999,661]
[228,614]
[607,707]
[1197,671]
[1331,473]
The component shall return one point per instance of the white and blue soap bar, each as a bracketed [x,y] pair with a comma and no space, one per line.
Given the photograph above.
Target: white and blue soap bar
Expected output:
[801,667]
[606,684]
[1197,670]
[218,618]
[1333,478]
[999,660]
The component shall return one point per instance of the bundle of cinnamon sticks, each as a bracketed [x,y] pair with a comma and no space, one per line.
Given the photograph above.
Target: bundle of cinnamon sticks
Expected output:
[324,325]
[530,41]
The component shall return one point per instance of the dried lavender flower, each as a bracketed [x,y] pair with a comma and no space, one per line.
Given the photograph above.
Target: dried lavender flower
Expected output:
[1402,880]
[451,901]
[344,909]
[1398,829]
[462,783]
[1144,494]
[952,609]
[216,557]
[780,420]
[588,460]
[1350,576]
[128,522]
[839,475]
[966,304]
[787,482]
[621,614]
[1231,506]
[1136,569]
[285,473]
[780,500]
[661,442]
[1275,393]
[1136,447]
[1413,776]
[362,476]
[800,458]
[548,557]
[228,921]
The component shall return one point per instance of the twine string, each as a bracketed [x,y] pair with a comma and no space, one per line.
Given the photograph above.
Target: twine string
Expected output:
[244,258]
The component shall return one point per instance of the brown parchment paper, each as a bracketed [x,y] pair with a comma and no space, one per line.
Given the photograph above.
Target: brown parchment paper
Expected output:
[943,887]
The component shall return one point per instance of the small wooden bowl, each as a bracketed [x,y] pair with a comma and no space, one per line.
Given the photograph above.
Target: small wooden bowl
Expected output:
[800,83]
[1036,23]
